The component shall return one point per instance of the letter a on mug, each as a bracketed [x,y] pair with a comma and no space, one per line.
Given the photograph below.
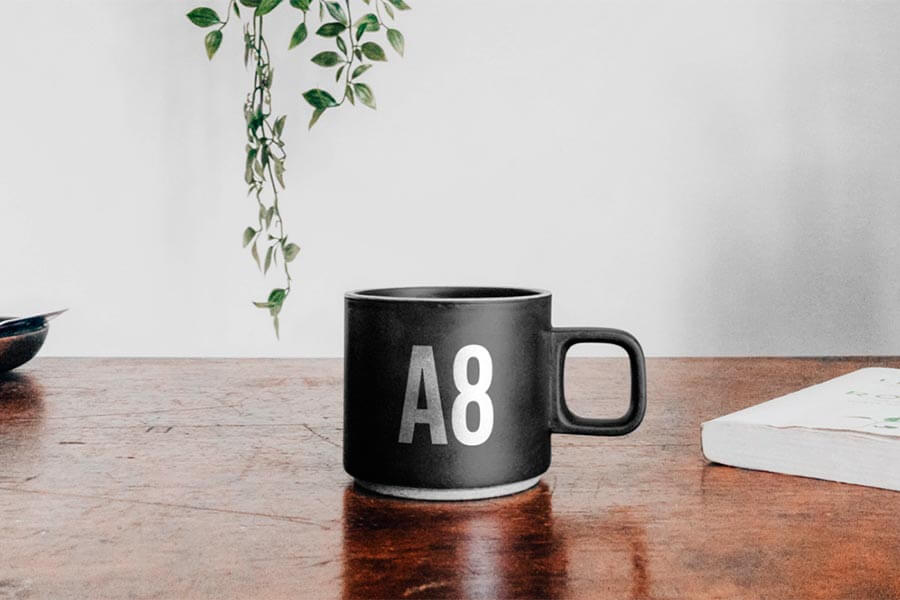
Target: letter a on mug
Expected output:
[421,368]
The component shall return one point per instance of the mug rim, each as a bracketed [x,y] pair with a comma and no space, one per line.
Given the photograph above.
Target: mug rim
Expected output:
[460,294]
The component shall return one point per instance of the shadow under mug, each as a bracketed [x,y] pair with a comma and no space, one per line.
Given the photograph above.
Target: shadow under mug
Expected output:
[451,393]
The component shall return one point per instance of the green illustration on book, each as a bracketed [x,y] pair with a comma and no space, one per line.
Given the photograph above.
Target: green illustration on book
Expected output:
[879,423]
[357,52]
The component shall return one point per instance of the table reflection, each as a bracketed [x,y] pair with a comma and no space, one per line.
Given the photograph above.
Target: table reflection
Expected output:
[497,548]
[21,419]
[21,402]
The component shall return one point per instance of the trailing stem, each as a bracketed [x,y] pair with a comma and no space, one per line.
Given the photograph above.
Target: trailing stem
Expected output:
[265,155]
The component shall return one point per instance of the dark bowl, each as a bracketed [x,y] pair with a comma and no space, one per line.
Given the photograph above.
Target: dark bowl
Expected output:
[19,347]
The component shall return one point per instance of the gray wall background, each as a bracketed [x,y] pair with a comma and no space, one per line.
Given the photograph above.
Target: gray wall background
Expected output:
[717,177]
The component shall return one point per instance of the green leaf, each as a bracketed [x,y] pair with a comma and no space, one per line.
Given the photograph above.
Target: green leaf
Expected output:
[256,120]
[389,10]
[315,116]
[337,74]
[248,172]
[369,19]
[400,4]
[277,296]
[330,29]
[337,12]
[249,234]
[250,3]
[373,51]
[290,252]
[255,254]
[892,419]
[396,40]
[359,71]
[365,23]
[319,98]
[266,6]
[279,125]
[275,324]
[262,305]
[341,45]
[298,36]
[268,262]
[349,92]
[212,41]
[327,58]
[237,11]
[365,95]
[204,17]
[301,4]
[269,214]
[279,171]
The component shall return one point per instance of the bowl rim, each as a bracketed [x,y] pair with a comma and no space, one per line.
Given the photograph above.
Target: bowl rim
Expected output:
[26,333]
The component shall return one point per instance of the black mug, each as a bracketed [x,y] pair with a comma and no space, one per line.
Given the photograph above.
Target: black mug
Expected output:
[451,393]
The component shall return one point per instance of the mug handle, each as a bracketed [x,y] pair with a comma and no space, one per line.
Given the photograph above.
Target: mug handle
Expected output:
[563,420]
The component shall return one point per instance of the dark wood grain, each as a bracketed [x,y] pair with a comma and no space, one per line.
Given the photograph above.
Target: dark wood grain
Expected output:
[223,478]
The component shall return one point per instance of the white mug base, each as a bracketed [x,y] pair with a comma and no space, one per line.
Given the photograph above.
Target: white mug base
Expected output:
[414,493]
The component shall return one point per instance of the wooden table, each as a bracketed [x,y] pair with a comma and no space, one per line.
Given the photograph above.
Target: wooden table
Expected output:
[222,478]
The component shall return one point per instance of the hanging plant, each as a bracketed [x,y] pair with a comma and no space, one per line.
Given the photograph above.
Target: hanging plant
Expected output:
[357,51]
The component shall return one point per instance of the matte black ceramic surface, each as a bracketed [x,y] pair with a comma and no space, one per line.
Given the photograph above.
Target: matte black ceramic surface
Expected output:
[20,345]
[460,388]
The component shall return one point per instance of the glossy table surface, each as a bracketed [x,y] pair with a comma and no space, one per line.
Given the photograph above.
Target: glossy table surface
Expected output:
[183,478]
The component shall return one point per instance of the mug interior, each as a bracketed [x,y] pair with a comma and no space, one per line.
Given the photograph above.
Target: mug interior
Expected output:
[449,293]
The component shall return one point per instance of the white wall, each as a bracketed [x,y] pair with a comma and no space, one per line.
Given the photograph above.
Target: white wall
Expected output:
[717,177]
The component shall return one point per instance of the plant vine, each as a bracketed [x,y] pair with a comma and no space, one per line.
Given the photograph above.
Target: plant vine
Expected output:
[265,153]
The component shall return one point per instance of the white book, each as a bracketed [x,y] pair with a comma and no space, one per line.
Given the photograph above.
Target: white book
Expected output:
[845,429]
